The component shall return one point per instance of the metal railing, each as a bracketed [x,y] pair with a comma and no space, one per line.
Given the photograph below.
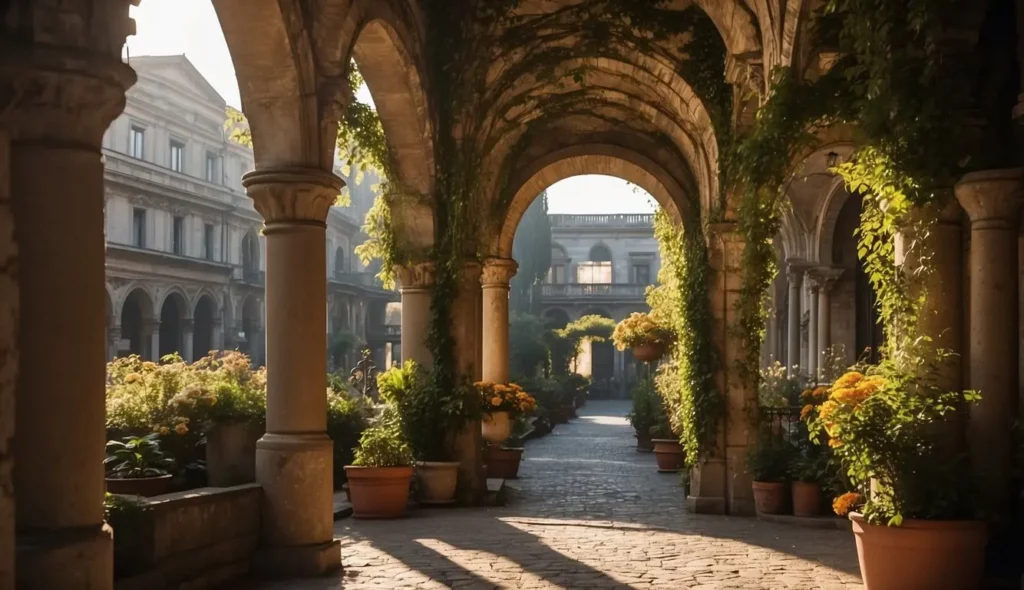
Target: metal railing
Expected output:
[781,424]
[362,279]
[605,290]
[603,220]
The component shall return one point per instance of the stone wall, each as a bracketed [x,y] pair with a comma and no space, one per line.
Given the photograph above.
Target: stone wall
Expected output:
[8,366]
[195,539]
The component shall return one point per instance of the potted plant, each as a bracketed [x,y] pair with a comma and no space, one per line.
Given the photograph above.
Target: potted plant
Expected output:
[645,335]
[501,404]
[379,477]
[645,414]
[503,461]
[768,463]
[668,451]
[913,525]
[137,466]
[807,471]
[430,417]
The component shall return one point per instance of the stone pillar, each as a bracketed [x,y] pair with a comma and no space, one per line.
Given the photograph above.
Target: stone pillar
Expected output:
[188,331]
[113,342]
[992,199]
[824,279]
[495,283]
[294,459]
[466,333]
[720,483]
[218,335]
[151,339]
[9,309]
[813,350]
[795,276]
[416,283]
[58,100]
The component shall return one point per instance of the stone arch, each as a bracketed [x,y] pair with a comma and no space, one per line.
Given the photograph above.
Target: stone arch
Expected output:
[204,316]
[250,325]
[555,318]
[735,24]
[609,160]
[600,252]
[135,312]
[174,312]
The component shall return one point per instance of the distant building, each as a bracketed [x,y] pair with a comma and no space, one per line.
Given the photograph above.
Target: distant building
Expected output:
[185,256]
[600,264]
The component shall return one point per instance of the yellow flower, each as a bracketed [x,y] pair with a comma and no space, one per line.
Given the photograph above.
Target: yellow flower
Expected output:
[827,409]
[848,380]
[806,411]
[820,393]
[843,504]
[164,430]
[835,443]
[131,377]
[495,401]
[181,429]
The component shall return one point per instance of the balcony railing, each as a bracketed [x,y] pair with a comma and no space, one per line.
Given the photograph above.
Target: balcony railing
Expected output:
[610,220]
[594,290]
[387,333]
[361,279]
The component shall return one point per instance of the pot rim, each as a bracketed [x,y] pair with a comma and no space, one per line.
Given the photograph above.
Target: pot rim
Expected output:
[770,483]
[365,472]
[923,523]
[438,464]
[666,440]
[151,478]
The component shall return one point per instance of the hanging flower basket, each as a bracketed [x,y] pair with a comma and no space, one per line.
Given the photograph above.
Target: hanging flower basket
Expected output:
[496,427]
[648,352]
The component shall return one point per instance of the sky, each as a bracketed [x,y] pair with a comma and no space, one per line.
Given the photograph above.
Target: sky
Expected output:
[173,27]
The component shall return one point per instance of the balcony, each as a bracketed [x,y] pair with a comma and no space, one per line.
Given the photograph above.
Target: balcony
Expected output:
[366,283]
[618,220]
[593,291]
[385,333]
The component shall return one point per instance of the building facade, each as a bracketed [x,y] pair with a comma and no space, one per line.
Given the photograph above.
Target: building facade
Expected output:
[185,256]
[600,265]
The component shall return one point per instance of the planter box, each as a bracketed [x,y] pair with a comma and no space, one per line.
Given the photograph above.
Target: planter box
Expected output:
[503,463]
[231,454]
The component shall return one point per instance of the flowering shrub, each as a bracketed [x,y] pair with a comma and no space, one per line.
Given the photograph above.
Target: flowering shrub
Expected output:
[886,424]
[641,329]
[499,397]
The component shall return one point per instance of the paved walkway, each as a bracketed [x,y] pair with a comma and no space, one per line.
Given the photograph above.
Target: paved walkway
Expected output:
[591,513]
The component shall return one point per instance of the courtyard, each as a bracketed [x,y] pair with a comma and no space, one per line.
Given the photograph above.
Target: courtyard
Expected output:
[587,512]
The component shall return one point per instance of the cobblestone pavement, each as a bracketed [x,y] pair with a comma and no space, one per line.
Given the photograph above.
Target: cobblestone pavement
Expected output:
[591,513]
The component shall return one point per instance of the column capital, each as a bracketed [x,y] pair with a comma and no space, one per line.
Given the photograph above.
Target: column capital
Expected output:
[497,272]
[150,326]
[188,325]
[292,194]
[823,277]
[420,275]
[992,198]
[795,268]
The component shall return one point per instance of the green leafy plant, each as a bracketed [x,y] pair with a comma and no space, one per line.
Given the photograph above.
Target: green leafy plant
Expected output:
[384,444]
[641,329]
[137,457]
[769,459]
[777,388]
[347,418]
[528,351]
[647,408]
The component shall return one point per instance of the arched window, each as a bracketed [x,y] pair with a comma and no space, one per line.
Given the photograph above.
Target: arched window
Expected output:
[340,261]
[557,274]
[598,269]
[250,254]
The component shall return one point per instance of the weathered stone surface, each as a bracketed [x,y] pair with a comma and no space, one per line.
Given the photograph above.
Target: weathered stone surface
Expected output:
[592,513]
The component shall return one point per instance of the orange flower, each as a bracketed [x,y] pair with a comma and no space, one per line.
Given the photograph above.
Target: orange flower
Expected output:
[827,409]
[806,411]
[181,429]
[835,443]
[848,380]
[495,401]
[820,393]
[843,504]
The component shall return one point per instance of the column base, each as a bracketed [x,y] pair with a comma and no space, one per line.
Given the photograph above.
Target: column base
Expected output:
[301,562]
[66,559]
[296,472]
[707,488]
[738,483]
[472,479]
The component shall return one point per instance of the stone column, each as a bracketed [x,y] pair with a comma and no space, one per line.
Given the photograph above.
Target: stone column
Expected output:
[416,283]
[992,199]
[151,339]
[824,279]
[58,100]
[812,331]
[294,459]
[495,283]
[113,341]
[795,276]
[218,335]
[465,330]
[188,331]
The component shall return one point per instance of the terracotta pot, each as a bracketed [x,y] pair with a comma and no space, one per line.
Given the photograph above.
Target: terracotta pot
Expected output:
[644,444]
[933,554]
[503,462]
[669,454]
[140,486]
[437,481]
[496,427]
[558,416]
[568,411]
[648,353]
[806,498]
[770,497]
[231,454]
[378,492]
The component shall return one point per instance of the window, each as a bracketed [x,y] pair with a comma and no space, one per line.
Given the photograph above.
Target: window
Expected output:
[211,167]
[594,273]
[556,276]
[340,262]
[178,235]
[137,142]
[208,241]
[642,274]
[177,156]
[139,228]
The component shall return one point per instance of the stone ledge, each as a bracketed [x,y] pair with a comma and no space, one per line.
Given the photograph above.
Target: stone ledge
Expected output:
[811,522]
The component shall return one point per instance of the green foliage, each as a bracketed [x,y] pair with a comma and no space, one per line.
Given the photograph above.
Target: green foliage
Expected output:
[429,416]
[135,457]
[769,460]
[528,351]
[347,418]
[531,248]
[776,388]
[685,381]
[384,444]
[566,343]
[342,343]
[647,408]
[641,329]
[888,425]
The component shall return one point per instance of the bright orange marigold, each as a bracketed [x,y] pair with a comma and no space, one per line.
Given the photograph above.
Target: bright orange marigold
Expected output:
[843,504]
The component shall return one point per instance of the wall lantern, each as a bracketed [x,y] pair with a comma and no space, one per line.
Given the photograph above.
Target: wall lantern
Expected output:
[831,159]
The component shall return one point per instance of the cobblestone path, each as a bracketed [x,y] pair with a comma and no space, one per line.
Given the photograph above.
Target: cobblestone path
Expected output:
[591,512]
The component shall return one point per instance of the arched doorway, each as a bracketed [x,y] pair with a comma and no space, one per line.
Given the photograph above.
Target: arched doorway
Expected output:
[172,317]
[598,359]
[250,255]
[137,308]
[250,344]
[340,261]
[862,329]
[555,319]
[203,319]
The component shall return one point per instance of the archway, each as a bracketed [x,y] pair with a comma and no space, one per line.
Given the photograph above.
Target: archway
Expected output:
[860,333]
[340,261]
[135,311]
[172,318]
[555,319]
[250,255]
[251,329]
[203,320]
